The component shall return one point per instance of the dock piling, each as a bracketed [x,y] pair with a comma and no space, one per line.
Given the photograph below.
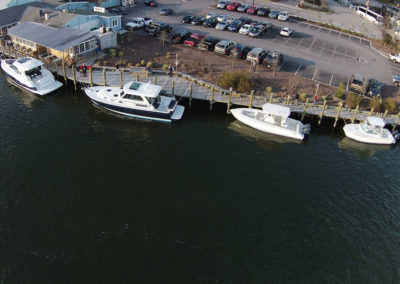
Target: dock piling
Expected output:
[212,97]
[305,109]
[155,80]
[173,87]
[104,77]
[340,105]
[251,99]
[137,77]
[355,113]
[74,75]
[229,101]
[121,79]
[322,111]
[90,77]
[190,93]
[371,112]
[65,73]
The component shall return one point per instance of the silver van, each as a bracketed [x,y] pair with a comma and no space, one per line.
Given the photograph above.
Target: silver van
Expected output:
[224,46]
[256,55]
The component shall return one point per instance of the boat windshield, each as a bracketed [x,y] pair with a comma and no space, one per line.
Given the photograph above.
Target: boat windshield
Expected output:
[34,72]
[154,100]
[370,129]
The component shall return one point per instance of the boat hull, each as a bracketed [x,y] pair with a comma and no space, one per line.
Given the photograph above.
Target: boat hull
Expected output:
[353,131]
[268,127]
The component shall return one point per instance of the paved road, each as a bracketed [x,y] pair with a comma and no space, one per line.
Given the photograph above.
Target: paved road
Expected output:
[312,52]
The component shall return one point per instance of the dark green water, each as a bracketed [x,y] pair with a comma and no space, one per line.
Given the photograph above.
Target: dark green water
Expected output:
[90,197]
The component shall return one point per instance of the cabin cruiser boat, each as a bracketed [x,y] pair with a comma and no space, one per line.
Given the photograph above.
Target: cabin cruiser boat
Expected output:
[370,131]
[137,99]
[28,73]
[272,119]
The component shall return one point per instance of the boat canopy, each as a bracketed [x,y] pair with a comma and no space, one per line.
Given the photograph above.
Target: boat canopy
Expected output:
[27,63]
[276,110]
[142,89]
[376,121]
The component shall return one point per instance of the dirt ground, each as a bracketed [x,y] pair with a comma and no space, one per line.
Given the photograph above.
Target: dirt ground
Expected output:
[136,49]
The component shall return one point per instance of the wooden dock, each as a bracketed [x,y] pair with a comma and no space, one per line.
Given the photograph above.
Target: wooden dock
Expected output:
[184,85]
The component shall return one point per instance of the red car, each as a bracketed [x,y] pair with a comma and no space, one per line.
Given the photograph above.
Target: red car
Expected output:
[193,40]
[252,10]
[232,6]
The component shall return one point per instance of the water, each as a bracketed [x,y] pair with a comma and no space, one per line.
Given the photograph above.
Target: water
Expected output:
[90,197]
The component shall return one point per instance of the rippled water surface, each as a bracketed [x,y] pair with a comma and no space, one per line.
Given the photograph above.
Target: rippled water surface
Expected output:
[87,196]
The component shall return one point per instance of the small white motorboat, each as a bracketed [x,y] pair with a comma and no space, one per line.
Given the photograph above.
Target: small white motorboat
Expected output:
[28,73]
[370,131]
[137,99]
[272,119]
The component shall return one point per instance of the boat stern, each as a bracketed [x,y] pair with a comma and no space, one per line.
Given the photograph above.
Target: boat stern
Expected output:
[178,112]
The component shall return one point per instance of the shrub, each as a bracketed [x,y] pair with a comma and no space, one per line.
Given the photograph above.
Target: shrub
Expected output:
[168,55]
[205,70]
[113,54]
[156,54]
[303,96]
[352,100]
[143,62]
[137,65]
[165,67]
[340,91]
[149,64]
[238,80]
[121,54]
[389,105]
[112,50]
[376,104]
[387,38]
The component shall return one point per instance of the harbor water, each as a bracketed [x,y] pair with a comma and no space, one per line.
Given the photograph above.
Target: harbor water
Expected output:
[90,197]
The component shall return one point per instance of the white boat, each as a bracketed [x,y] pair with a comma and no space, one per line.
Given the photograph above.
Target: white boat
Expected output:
[272,119]
[29,74]
[370,131]
[137,99]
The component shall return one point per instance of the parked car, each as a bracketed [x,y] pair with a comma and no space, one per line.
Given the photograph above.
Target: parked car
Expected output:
[284,16]
[198,21]
[286,31]
[139,23]
[263,12]
[373,88]
[235,26]
[394,57]
[187,19]
[180,36]
[222,17]
[211,15]
[155,28]
[233,6]
[257,31]
[166,11]
[243,8]
[273,59]
[256,55]
[193,40]
[268,25]
[253,10]
[357,83]
[210,22]
[396,80]
[245,20]
[151,3]
[209,43]
[240,51]
[224,46]
[222,26]
[273,14]
[222,4]
[244,30]
[230,19]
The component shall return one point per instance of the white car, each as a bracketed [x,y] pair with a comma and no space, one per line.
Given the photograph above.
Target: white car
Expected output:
[244,30]
[286,31]
[222,17]
[222,26]
[211,15]
[284,16]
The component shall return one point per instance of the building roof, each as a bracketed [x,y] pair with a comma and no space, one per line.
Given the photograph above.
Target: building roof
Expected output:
[58,39]
[23,13]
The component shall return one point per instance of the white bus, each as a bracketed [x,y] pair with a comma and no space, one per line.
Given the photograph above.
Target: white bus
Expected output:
[370,15]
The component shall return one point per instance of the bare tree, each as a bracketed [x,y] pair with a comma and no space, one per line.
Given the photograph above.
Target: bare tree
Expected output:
[163,37]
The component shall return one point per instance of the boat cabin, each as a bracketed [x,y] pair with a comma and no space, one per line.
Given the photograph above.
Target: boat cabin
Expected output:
[29,66]
[373,125]
[276,114]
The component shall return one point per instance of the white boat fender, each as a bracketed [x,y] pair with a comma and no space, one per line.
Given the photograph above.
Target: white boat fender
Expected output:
[396,134]
[307,129]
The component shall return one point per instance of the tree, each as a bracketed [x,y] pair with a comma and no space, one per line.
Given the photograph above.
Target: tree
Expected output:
[238,80]
[375,103]
[390,105]
[340,91]
[352,100]
[163,36]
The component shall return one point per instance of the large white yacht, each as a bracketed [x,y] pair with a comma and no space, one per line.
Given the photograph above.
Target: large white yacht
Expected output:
[370,131]
[272,119]
[29,73]
[137,99]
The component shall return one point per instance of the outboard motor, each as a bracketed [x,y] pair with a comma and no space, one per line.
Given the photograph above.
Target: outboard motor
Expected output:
[307,128]
[396,134]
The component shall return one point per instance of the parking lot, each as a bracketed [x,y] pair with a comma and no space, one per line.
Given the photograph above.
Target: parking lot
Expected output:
[313,52]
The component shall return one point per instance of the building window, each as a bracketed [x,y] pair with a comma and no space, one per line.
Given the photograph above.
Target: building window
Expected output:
[81,48]
[114,23]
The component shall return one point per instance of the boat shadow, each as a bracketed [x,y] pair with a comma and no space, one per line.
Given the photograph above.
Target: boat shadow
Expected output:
[363,151]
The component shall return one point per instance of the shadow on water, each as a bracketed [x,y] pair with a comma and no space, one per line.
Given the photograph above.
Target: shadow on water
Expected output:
[362,151]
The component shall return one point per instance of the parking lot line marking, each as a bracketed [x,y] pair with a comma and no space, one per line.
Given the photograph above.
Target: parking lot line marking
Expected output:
[334,50]
[316,69]
[298,69]
[330,82]
[312,43]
